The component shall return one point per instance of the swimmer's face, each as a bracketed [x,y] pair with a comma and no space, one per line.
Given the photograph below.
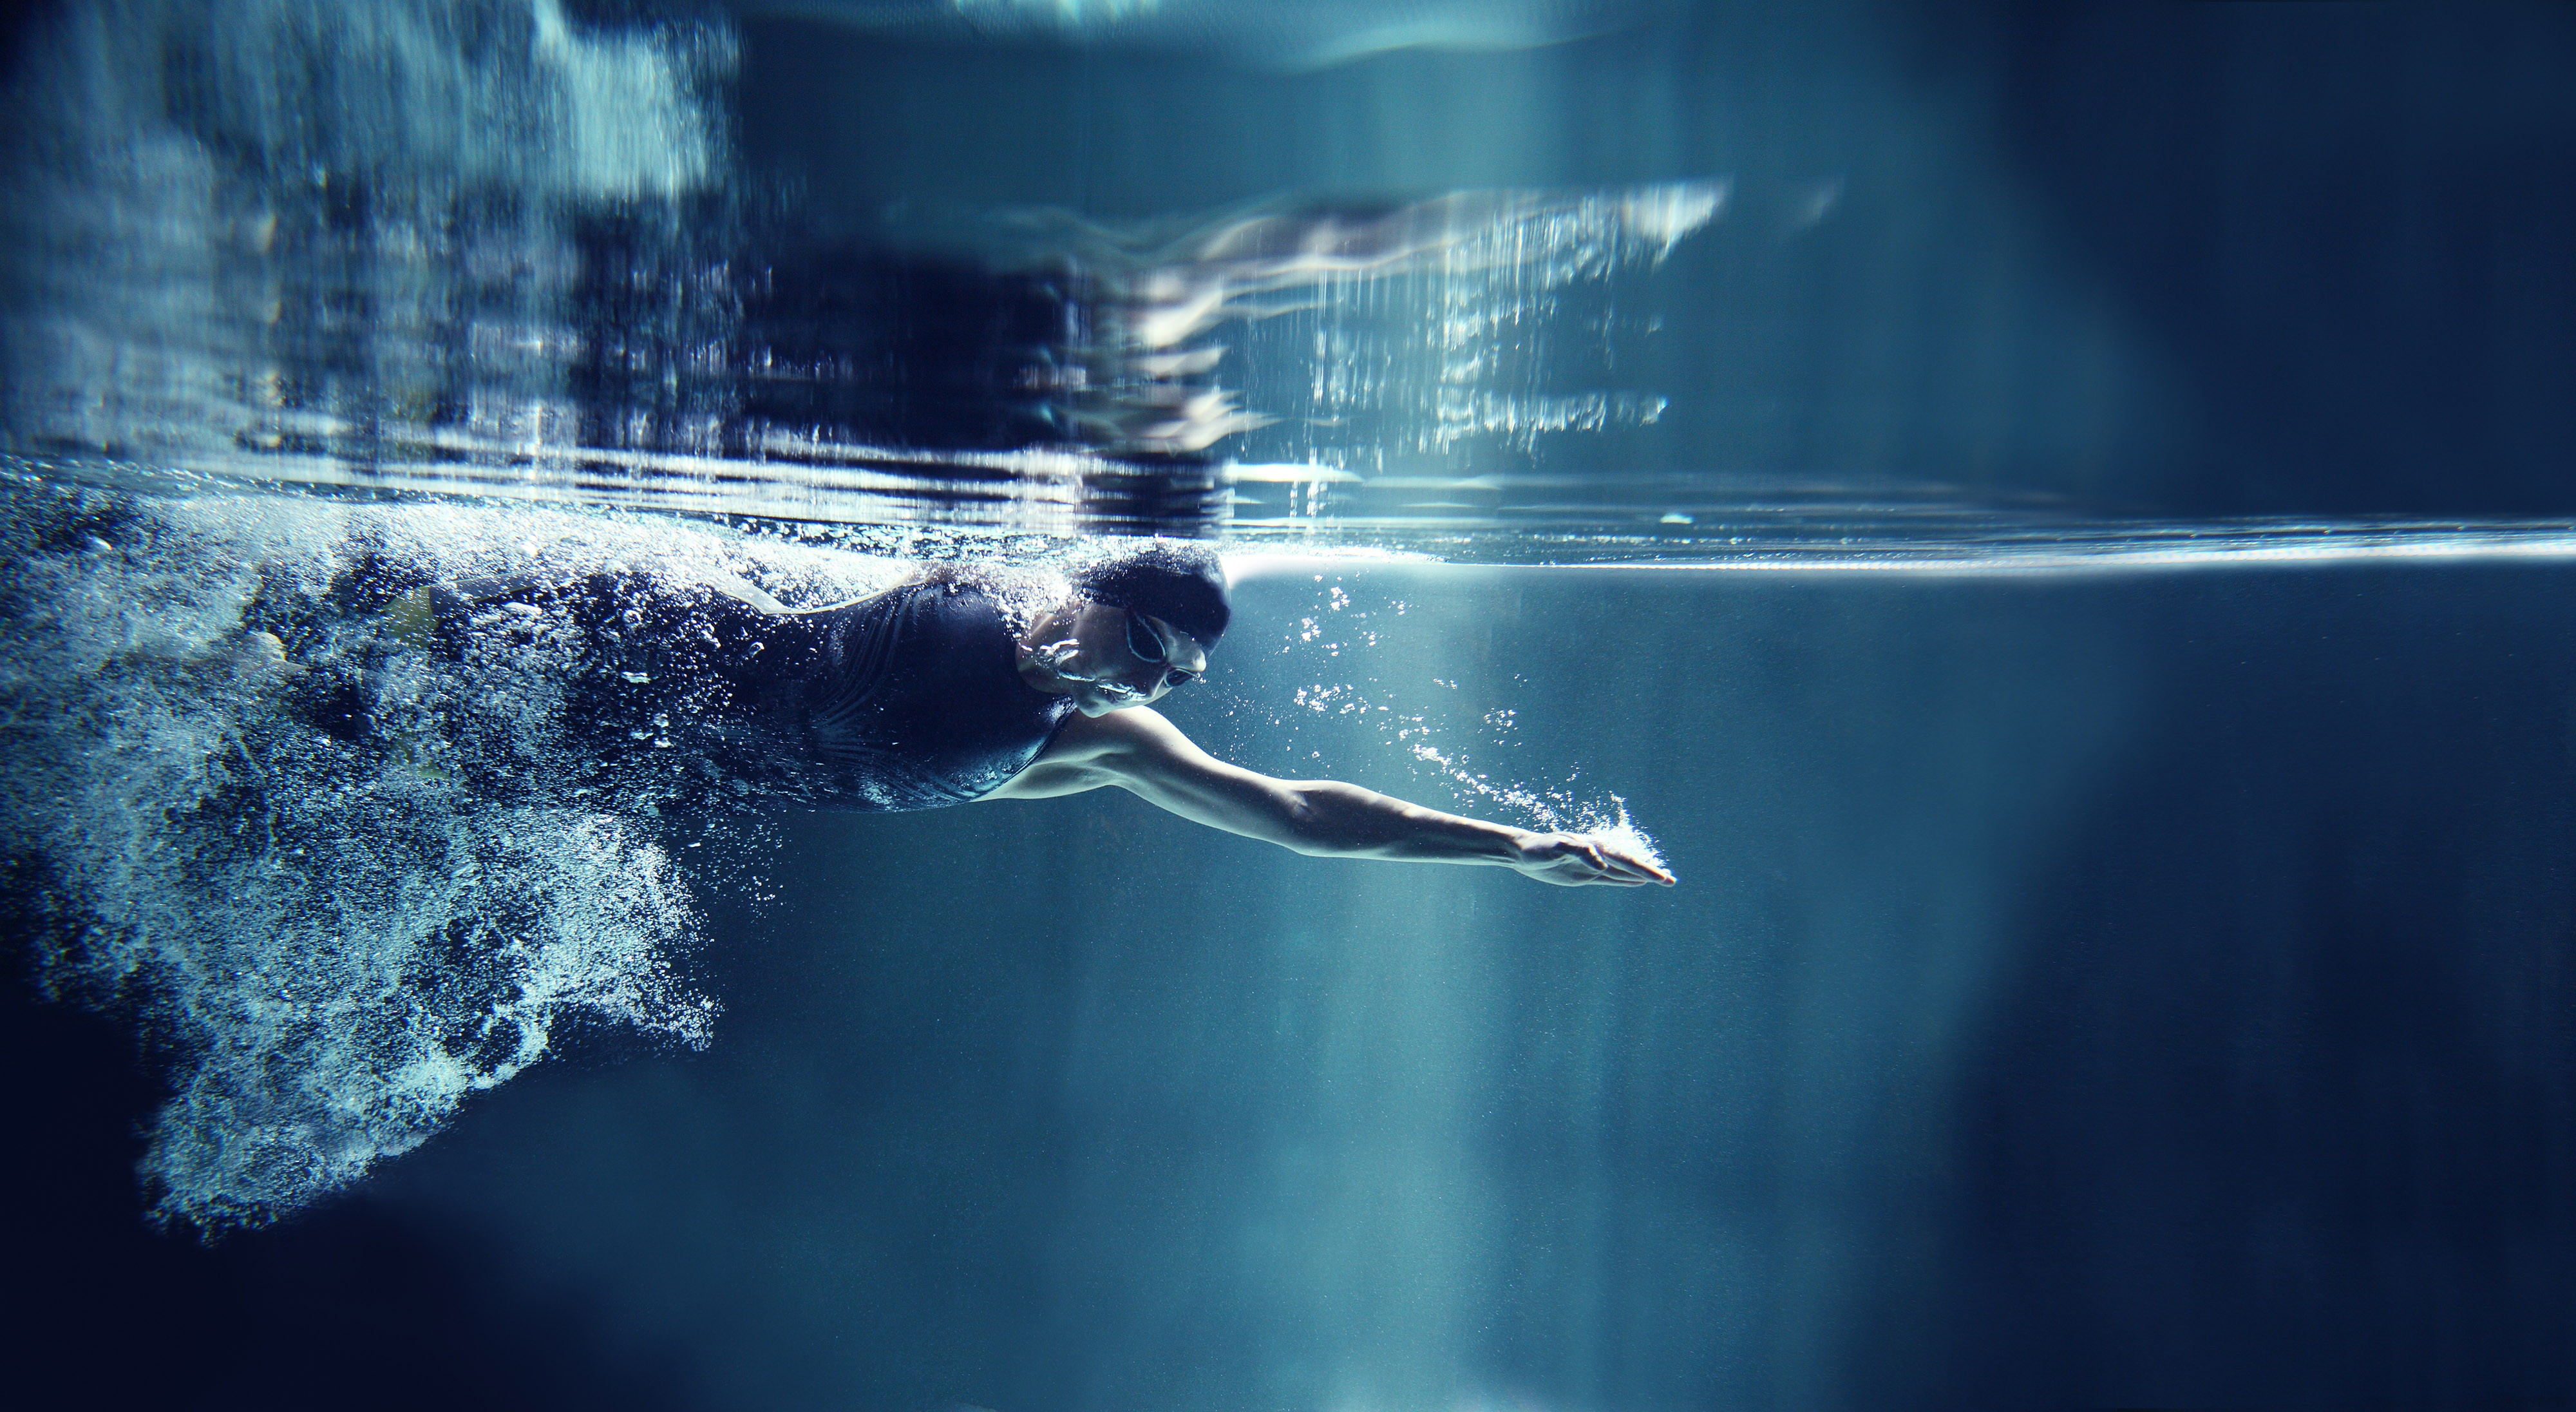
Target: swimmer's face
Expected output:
[1113,658]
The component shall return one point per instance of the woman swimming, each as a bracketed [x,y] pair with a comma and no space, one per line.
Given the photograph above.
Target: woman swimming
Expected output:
[928,695]
[352,805]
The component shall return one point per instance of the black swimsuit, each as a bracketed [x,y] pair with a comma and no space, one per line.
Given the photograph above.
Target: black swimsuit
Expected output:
[921,702]
[908,700]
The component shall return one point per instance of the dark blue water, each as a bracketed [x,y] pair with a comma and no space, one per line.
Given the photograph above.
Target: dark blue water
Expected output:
[2053,520]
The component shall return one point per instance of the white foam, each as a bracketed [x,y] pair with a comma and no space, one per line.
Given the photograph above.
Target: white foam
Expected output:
[335,945]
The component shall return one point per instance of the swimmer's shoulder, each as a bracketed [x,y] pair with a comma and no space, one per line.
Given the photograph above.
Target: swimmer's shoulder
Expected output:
[1088,752]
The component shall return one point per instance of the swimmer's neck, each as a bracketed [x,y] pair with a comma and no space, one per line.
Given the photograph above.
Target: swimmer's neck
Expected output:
[1038,654]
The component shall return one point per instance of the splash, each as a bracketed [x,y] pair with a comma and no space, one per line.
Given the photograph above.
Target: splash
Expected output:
[333,933]
[1556,809]
[1425,735]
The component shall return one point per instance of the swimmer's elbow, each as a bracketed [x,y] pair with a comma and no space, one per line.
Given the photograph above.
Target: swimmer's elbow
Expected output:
[1279,812]
[1304,826]
[1319,819]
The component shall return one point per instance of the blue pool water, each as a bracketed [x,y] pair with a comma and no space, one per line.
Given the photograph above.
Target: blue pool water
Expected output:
[2054,527]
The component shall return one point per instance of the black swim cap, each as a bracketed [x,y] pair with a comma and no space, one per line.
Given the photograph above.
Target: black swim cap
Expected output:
[1181,583]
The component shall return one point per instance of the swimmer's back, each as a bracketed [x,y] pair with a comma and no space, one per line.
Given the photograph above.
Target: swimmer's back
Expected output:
[919,701]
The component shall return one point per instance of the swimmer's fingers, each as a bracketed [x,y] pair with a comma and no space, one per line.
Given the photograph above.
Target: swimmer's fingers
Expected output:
[1621,867]
[1572,860]
[1635,867]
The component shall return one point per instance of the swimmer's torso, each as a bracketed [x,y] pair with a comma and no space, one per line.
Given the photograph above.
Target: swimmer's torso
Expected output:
[908,700]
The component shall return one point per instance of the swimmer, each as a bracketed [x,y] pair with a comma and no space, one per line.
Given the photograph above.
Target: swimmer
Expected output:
[925,696]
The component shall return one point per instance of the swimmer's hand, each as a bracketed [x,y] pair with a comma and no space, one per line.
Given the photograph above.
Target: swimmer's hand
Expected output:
[1574,859]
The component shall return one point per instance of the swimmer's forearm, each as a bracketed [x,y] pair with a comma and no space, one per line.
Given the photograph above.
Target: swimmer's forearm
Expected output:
[1330,819]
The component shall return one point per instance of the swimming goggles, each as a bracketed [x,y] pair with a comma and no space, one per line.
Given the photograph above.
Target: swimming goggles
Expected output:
[1147,645]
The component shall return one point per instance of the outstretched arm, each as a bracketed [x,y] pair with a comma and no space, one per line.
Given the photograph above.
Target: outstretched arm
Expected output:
[1146,755]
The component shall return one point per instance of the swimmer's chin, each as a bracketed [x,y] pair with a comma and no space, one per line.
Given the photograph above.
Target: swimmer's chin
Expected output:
[1100,703]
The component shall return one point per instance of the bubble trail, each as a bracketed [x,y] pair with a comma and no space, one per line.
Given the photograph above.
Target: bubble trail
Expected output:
[338,883]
